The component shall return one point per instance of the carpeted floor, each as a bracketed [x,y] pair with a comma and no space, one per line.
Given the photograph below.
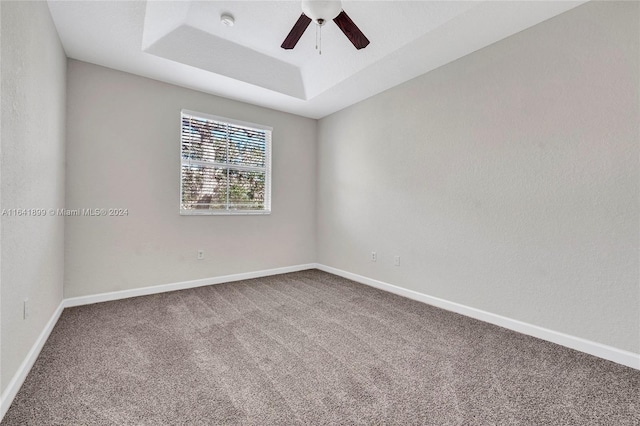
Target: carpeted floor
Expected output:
[309,348]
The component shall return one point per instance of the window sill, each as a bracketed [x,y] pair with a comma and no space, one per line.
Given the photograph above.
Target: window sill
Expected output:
[206,212]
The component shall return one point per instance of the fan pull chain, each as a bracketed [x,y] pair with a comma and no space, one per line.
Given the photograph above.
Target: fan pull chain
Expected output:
[319,38]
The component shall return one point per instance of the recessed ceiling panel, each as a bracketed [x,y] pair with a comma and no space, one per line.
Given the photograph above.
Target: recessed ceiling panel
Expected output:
[194,47]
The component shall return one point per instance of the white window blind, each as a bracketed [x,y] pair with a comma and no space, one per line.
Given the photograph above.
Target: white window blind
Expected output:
[225,166]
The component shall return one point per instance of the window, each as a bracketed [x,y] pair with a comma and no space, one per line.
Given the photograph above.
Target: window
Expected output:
[225,166]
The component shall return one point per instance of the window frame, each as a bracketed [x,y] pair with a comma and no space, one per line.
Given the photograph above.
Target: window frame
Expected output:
[267,167]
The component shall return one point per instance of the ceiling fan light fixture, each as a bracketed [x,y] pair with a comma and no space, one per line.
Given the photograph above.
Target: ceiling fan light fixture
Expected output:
[321,11]
[227,19]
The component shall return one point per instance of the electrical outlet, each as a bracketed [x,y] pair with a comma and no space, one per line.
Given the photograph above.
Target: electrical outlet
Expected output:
[374,256]
[396,260]
[25,309]
[200,254]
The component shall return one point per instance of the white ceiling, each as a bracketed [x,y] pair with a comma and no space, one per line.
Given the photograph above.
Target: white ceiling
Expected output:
[184,43]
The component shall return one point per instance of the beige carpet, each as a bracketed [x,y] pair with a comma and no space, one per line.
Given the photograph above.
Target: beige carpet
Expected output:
[309,348]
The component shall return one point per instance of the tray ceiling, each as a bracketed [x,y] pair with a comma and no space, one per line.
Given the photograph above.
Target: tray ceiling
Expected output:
[184,43]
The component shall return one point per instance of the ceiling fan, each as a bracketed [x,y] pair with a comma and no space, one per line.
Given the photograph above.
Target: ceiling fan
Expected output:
[321,11]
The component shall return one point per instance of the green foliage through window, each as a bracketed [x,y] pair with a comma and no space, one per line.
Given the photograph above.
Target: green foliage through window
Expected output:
[225,166]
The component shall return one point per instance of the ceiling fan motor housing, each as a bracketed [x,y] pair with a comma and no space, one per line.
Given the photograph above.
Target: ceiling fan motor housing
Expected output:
[321,11]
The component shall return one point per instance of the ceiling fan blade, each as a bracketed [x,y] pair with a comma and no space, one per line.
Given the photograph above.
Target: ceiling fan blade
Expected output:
[296,32]
[350,29]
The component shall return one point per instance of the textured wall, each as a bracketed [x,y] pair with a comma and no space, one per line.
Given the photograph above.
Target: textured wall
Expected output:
[507,180]
[123,151]
[32,176]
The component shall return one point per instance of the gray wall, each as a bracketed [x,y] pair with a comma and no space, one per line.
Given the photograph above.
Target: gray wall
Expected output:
[123,152]
[507,181]
[31,176]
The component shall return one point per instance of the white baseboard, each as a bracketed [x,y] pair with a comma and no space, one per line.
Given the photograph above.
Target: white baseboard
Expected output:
[18,379]
[610,353]
[144,291]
